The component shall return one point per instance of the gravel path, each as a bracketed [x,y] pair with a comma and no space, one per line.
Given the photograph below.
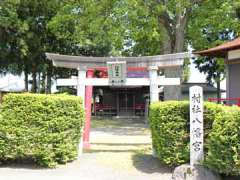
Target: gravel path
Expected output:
[120,152]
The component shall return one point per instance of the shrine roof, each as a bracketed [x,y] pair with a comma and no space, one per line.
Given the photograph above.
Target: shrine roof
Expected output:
[68,61]
[221,50]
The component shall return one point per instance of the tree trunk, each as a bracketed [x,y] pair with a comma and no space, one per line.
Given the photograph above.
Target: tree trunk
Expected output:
[34,78]
[39,83]
[218,89]
[179,40]
[43,83]
[167,49]
[175,31]
[49,80]
[181,23]
[26,79]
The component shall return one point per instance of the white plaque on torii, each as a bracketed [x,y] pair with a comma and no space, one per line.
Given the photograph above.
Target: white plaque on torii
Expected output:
[117,73]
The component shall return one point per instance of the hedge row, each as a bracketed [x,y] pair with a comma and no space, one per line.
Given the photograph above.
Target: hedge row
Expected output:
[224,142]
[44,128]
[170,126]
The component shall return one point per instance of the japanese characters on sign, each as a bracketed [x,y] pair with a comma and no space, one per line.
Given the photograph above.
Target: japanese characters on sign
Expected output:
[117,73]
[196,125]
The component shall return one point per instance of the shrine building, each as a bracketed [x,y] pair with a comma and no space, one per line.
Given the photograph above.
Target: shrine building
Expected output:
[230,51]
[122,86]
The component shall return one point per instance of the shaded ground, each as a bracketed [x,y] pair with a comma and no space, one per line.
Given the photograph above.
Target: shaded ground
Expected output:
[120,150]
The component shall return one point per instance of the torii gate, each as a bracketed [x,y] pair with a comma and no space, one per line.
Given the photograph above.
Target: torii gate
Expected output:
[87,65]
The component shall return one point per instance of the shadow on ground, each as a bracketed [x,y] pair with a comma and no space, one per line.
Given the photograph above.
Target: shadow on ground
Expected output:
[22,164]
[148,164]
[231,178]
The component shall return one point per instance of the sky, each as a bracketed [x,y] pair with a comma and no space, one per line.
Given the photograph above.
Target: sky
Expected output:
[196,76]
[11,82]
[16,83]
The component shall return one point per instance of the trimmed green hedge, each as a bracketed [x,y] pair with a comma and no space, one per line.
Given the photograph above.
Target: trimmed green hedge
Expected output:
[169,123]
[224,143]
[44,128]
[170,136]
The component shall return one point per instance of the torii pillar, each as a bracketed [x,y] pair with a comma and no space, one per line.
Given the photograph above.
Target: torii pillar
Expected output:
[88,111]
[153,75]
[85,92]
[154,92]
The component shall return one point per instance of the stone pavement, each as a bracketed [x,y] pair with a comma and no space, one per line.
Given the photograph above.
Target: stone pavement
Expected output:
[120,152]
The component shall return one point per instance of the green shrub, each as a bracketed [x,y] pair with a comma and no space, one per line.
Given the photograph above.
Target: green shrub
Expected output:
[45,128]
[170,132]
[170,126]
[224,143]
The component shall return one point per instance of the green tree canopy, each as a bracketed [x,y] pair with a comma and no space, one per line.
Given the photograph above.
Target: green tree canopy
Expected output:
[129,27]
[29,28]
[211,25]
[25,37]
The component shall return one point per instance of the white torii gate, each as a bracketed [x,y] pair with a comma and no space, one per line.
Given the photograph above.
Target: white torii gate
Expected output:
[82,64]
[81,81]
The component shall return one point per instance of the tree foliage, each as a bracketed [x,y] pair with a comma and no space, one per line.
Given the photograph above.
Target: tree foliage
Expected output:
[29,28]
[129,26]
[25,37]
[211,25]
